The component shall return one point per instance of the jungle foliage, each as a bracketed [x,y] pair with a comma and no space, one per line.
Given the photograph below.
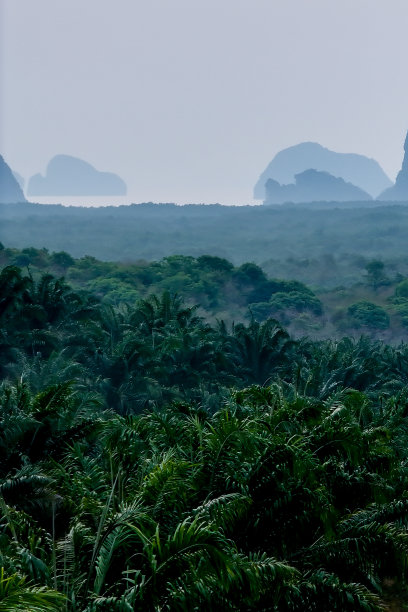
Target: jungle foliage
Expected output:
[377,305]
[150,460]
[321,244]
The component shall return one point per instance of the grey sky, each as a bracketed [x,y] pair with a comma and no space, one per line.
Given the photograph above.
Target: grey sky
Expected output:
[188,100]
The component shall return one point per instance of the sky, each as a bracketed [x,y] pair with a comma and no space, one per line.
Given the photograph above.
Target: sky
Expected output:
[188,100]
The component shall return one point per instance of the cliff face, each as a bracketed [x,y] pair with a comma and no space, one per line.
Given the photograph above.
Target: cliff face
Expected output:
[314,186]
[399,191]
[359,170]
[10,190]
[405,161]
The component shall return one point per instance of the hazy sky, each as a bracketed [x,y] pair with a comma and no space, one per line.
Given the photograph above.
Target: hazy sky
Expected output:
[188,100]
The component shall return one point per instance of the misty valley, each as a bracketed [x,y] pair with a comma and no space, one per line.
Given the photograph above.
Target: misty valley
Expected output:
[205,407]
[187,427]
[203,306]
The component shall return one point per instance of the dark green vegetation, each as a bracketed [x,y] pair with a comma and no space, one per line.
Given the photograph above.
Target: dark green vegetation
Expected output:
[152,461]
[377,305]
[239,234]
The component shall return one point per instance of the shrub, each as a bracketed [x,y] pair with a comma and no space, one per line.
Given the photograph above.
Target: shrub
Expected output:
[367,314]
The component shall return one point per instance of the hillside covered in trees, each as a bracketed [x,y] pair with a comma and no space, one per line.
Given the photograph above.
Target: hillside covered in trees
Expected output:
[375,304]
[153,460]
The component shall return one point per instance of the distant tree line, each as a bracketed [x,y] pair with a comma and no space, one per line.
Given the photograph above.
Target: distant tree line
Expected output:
[260,234]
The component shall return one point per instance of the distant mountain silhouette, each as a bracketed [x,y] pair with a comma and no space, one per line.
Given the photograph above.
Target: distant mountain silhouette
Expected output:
[70,176]
[399,191]
[361,171]
[20,179]
[10,190]
[314,186]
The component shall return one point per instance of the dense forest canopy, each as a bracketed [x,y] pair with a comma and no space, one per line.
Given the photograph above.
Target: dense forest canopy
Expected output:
[153,460]
[182,431]
[375,304]
[236,233]
[203,407]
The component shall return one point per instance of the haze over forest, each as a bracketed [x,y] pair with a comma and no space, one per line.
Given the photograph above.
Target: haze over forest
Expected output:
[204,362]
[141,93]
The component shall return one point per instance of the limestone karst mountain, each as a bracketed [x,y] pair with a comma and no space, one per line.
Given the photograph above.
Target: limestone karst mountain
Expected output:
[71,176]
[10,190]
[20,179]
[314,186]
[399,191]
[359,170]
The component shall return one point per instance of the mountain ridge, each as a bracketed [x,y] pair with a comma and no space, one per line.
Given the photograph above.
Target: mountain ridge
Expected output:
[399,191]
[361,171]
[314,186]
[10,190]
[71,176]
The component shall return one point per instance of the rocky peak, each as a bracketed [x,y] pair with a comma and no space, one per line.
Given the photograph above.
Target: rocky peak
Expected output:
[405,161]
[10,190]
[314,186]
[359,170]
[399,191]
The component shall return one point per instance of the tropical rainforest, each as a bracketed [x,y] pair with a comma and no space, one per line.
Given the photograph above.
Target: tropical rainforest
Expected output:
[158,455]
[269,236]
[376,304]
